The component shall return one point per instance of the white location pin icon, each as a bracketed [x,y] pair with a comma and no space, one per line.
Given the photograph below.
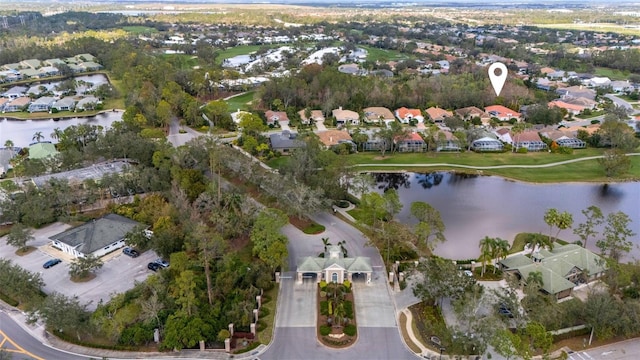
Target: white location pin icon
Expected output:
[497,81]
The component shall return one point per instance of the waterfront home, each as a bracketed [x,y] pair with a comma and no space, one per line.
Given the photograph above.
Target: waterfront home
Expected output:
[65,104]
[88,103]
[487,144]
[17,104]
[413,142]
[42,104]
[530,140]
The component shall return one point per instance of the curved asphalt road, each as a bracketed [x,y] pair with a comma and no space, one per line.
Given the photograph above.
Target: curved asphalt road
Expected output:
[29,343]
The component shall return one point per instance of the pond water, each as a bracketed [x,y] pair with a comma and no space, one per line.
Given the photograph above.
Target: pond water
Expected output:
[473,206]
[21,131]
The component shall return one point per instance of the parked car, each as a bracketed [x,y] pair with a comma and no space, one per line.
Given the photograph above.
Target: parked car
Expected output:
[505,311]
[468,273]
[50,263]
[153,266]
[162,262]
[130,252]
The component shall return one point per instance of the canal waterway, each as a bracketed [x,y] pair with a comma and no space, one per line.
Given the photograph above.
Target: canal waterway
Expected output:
[475,206]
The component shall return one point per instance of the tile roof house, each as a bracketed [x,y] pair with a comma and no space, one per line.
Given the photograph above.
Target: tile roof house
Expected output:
[577,92]
[88,103]
[275,117]
[345,116]
[405,115]
[65,104]
[285,142]
[97,237]
[471,112]
[413,142]
[377,114]
[15,92]
[17,104]
[487,144]
[3,101]
[562,268]
[530,140]
[334,267]
[316,116]
[571,108]
[504,135]
[334,137]
[438,115]
[42,104]
[502,113]
[446,141]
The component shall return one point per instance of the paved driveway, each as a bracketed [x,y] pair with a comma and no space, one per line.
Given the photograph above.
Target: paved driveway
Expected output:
[118,274]
[295,334]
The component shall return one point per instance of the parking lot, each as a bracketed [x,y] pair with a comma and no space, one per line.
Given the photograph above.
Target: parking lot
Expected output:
[118,274]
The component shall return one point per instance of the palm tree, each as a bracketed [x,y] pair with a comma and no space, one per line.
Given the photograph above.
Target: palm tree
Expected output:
[501,250]
[326,243]
[486,249]
[539,240]
[57,134]
[534,280]
[37,137]
[342,247]
[9,145]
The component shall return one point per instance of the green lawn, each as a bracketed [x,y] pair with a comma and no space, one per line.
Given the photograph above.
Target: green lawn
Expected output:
[181,61]
[138,30]
[612,73]
[240,102]
[588,170]
[383,55]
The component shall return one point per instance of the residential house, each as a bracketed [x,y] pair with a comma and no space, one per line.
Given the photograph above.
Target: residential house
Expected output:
[3,101]
[90,66]
[334,267]
[530,140]
[42,150]
[599,82]
[42,104]
[487,144]
[31,63]
[65,104]
[285,142]
[378,114]
[504,135]
[17,104]
[10,75]
[622,86]
[446,141]
[571,108]
[471,112]
[88,103]
[97,237]
[37,90]
[275,117]
[316,116]
[53,62]
[15,92]
[576,92]
[562,138]
[84,58]
[29,73]
[331,138]
[581,101]
[502,113]
[562,268]
[345,117]
[438,115]
[413,142]
[406,115]
[47,71]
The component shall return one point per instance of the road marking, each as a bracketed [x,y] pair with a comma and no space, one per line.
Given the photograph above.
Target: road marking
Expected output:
[20,349]
[587,355]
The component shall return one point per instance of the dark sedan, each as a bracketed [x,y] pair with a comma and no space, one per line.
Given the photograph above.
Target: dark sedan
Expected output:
[51,263]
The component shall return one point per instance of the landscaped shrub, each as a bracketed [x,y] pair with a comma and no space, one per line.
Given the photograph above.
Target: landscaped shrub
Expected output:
[347,285]
[330,308]
[264,311]
[323,294]
[323,285]
[249,347]
[325,330]
[348,309]
[522,150]
[350,330]
[260,326]
[324,307]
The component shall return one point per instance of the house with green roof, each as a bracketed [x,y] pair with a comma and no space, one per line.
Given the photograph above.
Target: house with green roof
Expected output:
[42,150]
[562,268]
[97,237]
[334,267]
